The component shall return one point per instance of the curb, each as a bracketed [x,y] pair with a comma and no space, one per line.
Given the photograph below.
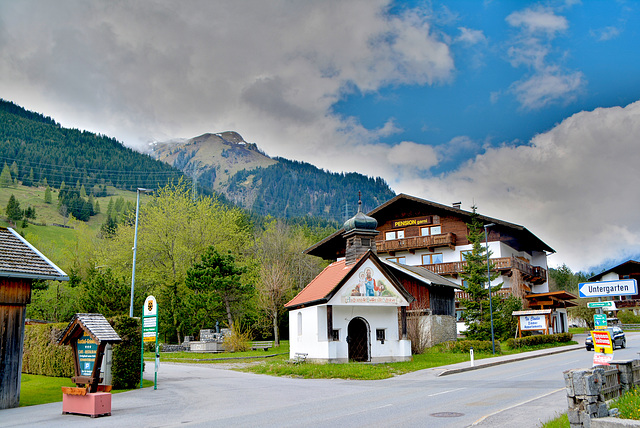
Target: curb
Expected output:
[510,360]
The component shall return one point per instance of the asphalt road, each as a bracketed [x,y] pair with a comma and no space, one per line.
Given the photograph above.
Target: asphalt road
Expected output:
[523,393]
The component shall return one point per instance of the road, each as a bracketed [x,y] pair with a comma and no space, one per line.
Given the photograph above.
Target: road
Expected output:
[523,393]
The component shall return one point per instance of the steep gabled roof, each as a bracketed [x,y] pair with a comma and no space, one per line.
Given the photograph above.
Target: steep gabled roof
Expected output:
[95,324]
[421,274]
[20,259]
[332,247]
[626,268]
[324,286]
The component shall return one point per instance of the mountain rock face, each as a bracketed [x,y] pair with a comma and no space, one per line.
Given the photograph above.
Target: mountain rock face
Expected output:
[279,187]
[211,158]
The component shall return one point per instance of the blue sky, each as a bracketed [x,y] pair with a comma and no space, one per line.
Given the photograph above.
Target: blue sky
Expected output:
[527,109]
[594,44]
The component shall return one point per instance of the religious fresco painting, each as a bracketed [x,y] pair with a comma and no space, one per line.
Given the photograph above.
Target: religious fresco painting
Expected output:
[369,287]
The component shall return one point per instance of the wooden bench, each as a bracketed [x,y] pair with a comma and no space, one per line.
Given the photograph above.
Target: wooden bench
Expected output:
[261,345]
[300,357]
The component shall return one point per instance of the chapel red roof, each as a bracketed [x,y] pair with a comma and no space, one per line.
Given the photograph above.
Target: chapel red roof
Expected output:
[322,284]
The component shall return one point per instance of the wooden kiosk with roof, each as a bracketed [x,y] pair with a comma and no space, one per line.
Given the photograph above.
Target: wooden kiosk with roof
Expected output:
[20,265]
[88,335]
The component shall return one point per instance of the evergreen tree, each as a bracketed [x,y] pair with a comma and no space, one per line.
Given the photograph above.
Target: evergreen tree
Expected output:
[47,195]
[13,211]
[62,186]
[5,176]
[477,314]
[96,208]
[83,192]
[110,212]
[44,182]
[218,274]
[14,170]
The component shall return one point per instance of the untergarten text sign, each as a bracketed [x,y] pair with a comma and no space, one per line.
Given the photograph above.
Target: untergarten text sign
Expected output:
[621,287]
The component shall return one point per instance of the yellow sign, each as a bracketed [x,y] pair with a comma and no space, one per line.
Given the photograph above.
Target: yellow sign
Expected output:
[602,341]
[412,222]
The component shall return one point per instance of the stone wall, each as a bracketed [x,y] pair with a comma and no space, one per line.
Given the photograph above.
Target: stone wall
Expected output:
[439,328]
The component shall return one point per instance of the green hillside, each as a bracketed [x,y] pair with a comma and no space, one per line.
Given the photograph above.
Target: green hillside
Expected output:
[55,241]
[36,147]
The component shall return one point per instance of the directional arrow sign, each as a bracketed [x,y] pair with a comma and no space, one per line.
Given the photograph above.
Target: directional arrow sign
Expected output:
[621,287]
[609,305]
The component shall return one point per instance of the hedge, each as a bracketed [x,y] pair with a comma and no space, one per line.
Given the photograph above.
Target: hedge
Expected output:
[539,339]
[126,355]
[465,346]
[43,356]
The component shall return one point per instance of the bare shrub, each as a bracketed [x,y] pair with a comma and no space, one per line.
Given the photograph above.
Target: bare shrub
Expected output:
[417,327]
[238,340]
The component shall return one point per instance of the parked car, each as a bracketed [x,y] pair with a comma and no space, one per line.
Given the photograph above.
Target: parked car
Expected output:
[618,339]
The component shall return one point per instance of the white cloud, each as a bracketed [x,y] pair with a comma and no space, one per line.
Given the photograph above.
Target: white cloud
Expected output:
[546,87]
[606,33]
[538,20]
[413,155]
[546,82]
[142,71]
[574,186]
[470,36]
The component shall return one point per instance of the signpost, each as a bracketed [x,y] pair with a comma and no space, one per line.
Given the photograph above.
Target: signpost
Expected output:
[621,287]
[608,305]
[600,321]
[150,334]
[602,346]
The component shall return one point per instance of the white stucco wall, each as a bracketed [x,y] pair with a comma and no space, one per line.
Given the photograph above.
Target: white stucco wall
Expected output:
[314,342]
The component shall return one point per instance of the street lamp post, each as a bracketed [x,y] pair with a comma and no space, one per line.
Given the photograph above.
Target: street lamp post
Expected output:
[135,247]
[486,241]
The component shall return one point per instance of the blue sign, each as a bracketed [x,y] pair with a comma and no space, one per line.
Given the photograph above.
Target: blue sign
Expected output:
[621,287]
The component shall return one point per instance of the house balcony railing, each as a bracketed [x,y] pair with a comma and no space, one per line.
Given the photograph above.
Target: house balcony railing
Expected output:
[503,292]
[417,242]
[506,265]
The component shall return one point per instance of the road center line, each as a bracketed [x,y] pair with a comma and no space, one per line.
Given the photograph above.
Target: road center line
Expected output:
[444,392]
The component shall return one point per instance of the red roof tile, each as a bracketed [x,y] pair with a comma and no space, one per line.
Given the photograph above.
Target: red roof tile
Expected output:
[323,284]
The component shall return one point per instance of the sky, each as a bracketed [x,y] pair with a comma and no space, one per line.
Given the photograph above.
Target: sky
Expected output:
[529,110]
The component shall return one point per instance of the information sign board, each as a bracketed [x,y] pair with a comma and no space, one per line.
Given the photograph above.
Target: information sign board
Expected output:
[87,349]
[150,334]
[602,341]
[600,359]
[600,321]
[608,305]
[621,287]
[533,322]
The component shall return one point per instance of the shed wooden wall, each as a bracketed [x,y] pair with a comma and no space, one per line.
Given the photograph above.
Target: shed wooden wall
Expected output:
[15,294]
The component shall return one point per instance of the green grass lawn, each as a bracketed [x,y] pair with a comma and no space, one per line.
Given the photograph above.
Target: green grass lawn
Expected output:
[36,389]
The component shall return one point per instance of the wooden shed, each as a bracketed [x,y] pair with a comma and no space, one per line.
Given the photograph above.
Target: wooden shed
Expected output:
[20,264]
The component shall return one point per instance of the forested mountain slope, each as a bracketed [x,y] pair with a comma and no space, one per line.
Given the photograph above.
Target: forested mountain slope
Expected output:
[36,147]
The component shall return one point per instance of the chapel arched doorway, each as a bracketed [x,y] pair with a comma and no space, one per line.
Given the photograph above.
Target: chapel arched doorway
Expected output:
[358,334]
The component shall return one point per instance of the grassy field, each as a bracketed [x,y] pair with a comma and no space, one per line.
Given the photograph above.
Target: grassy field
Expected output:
[55,242]
[35,389]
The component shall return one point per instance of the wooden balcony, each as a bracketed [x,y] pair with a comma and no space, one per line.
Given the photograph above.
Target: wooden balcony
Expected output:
[503,292]
[417,242]
[532,274]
